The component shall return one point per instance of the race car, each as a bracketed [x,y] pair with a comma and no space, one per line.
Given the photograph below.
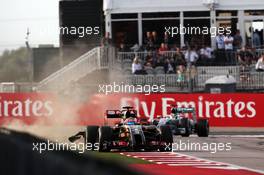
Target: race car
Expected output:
[129,134]
[183,121]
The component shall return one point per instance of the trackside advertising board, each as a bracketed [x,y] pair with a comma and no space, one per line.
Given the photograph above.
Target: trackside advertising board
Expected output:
[224,110]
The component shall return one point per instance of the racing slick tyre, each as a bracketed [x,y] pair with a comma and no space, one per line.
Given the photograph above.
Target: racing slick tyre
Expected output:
[91,135]
[105,138]
[155,122]
[203,128]
[167,137]
[186,124]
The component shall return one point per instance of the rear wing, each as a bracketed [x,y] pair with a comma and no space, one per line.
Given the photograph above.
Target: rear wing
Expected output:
[183,110]
[113,114]
[120,114]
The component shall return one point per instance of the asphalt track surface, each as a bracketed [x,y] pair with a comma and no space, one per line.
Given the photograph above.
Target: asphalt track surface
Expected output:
[246,154]
[246,157]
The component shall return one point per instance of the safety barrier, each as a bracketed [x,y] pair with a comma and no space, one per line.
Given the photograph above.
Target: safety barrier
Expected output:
[19,158]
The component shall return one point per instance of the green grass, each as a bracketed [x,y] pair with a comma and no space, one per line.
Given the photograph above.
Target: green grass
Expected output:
[117,157]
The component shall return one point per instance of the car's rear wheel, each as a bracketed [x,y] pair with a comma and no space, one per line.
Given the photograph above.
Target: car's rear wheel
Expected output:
[203,128]
[105,138]
[186,124]
[166,137]
[92,136]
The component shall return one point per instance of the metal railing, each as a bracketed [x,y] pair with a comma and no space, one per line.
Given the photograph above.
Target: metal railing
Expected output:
[126,56]
[249,81]
[77,69]
[143,54]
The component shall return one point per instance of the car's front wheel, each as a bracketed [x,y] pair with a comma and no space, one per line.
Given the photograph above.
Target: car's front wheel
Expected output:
[203,128]
[91,135]
[105,138]
[185,122]
[166,137]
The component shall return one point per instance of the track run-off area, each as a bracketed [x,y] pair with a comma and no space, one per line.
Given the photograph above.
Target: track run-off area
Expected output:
[245,157]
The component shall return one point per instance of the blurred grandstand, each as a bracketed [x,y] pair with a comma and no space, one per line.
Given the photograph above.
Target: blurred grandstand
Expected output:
[135,39]
[135,34]
[107,62]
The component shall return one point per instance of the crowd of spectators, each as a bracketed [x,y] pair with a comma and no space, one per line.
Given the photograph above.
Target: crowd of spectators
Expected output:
[260,63]
[164,53]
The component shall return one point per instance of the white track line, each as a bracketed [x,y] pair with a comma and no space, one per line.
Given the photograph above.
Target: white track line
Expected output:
[220,167]
[238,136]
[205,164]
[178,161]
[229,164]
[172,159]
[189,163]
[193,164]
[158,156]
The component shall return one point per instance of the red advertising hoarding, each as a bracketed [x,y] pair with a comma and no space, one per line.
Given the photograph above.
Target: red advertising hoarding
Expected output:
[232,110]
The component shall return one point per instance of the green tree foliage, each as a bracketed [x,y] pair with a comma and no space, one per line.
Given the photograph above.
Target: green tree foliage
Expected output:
[16,65]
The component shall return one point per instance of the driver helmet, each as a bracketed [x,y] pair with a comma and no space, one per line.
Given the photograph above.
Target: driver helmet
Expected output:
[127,114]
[173,109]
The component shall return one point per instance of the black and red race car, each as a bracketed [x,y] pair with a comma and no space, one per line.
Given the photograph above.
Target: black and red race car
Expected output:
[130,133]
